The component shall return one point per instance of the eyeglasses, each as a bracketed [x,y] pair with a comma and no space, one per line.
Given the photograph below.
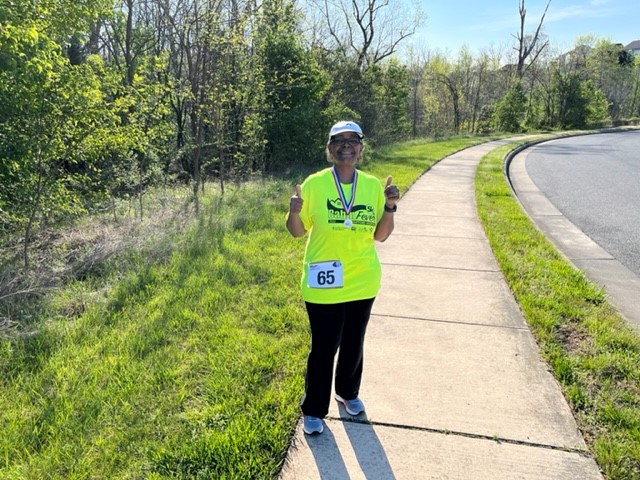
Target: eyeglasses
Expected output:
[341,142]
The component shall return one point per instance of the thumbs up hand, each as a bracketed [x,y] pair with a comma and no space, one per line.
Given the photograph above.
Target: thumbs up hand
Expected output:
[391,193]
[295,204]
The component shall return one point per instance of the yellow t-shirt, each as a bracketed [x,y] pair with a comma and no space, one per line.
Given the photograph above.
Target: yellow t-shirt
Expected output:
[330,239]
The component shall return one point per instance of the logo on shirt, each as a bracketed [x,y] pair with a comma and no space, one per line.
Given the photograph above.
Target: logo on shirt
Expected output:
[361,215]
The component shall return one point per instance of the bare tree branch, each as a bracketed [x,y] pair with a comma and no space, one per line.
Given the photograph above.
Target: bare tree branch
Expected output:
[528,46]
[370,30]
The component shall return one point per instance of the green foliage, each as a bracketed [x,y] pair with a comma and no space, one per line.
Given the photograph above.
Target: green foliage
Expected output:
[71,134]
[391,95]
[376,97]
[611,71]
[597,109]
[485,120]
[294,87]
[581,104]
[509,113]
[99,103]
[48,108]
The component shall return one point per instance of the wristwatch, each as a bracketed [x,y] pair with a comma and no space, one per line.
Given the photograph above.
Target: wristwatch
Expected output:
[390,210]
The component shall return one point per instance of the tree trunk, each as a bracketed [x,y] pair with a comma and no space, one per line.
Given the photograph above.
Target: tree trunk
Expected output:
[34,211]
[528,48]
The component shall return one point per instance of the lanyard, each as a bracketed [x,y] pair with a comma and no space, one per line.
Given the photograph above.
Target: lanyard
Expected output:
[346,206]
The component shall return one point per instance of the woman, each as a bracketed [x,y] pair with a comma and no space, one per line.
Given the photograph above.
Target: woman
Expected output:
[344,211]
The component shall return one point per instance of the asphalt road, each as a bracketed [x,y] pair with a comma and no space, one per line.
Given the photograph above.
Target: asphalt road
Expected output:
[594,180]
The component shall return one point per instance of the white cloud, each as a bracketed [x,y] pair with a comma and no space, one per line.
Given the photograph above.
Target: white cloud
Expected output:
[592,9]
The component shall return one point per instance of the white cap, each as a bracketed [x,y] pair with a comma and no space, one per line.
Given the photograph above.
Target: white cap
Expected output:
[343,127]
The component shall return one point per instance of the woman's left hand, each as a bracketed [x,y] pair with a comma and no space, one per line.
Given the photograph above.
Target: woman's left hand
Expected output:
[391,193]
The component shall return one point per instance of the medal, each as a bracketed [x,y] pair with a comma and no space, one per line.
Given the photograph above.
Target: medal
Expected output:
[348,223]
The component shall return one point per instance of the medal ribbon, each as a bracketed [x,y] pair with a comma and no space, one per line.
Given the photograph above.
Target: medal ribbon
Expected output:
[346,206]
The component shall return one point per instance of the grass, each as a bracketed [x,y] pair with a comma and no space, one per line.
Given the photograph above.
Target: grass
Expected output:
[76,254]
[407,161]
[186,363]
[184,357]
[192,367]
[592,351]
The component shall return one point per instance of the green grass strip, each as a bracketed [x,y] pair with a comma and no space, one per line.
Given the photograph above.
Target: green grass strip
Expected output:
[593,352]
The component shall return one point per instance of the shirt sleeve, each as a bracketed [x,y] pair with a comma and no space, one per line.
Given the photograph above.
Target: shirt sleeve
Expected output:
[305,213]
[381,202]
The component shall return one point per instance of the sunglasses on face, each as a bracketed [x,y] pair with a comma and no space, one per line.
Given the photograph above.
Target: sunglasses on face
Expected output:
[340,142]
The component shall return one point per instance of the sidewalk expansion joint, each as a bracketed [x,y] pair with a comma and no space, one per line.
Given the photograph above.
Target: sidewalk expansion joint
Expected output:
[455,322]
[435,267]
[586,259]
[427,235]
[471,217]
[476,436]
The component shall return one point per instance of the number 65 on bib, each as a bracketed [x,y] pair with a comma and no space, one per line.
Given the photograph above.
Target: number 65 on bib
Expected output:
[325,274]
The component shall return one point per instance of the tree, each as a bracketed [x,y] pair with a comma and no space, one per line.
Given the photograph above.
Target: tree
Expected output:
[131,80]
[634,102]
[611,72]
[294,86]
[446,90]
[368,31]
[529,46]
[390,82]
[350,38]
[48,108]
[510,111]
[416,106]
[581,104]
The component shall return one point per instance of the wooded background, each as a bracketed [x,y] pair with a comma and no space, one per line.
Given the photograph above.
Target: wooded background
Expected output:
[100,100]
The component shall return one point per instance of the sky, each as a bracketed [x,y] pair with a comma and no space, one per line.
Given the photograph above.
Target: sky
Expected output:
[491,24]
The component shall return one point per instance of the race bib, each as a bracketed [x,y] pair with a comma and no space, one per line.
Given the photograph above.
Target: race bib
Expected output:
[325,274]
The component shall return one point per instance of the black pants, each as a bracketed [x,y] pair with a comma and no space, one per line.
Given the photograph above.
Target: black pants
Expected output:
[333,326]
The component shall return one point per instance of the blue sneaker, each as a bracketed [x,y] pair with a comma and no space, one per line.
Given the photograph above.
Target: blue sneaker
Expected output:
[312,425]
[353,407]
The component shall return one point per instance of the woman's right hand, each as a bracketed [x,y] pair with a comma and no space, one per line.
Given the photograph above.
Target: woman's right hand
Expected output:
[294,222]
[295,205]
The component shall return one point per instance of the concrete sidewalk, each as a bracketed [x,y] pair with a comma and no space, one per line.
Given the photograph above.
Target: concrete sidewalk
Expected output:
[453,382]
